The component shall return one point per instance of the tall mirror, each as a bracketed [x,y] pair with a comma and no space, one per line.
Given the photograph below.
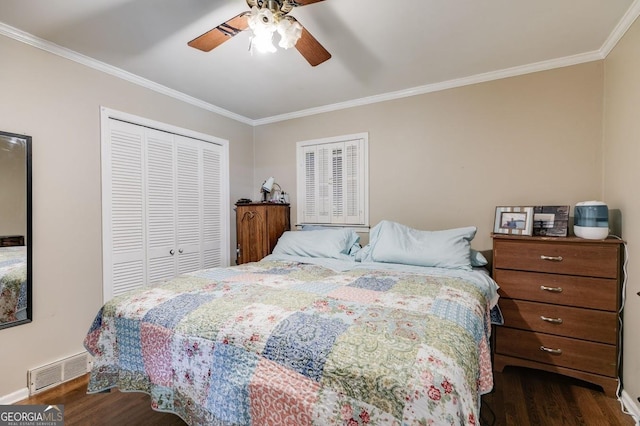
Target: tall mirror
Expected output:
[15,229]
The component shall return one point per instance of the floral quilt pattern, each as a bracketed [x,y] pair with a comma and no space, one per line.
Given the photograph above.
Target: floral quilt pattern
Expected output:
[288,343]
[13,283]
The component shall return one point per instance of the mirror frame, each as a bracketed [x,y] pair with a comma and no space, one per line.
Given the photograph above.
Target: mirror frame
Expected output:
[29,236]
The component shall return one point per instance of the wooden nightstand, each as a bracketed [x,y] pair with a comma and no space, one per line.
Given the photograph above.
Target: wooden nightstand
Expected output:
[560,299]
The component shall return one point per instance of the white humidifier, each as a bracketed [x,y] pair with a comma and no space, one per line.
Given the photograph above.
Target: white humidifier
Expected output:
[591,220]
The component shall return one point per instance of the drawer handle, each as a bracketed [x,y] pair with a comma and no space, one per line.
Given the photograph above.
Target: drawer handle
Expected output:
[551,320]
[551,258]
[552,289]
[551,351]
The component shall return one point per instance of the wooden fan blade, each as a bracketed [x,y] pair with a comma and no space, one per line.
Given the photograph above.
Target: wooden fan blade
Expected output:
[311,49]
[223,32]
[304,2]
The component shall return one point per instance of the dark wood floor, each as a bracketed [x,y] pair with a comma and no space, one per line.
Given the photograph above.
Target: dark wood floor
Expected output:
[521,397]
[531,397]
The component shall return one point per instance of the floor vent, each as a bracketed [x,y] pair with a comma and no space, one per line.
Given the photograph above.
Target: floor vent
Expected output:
[48,376]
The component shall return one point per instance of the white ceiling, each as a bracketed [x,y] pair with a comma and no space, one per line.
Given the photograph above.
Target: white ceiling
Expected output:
[381,49]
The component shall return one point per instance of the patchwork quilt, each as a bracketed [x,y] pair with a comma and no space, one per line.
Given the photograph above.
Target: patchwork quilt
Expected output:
[13,283]
[291,343]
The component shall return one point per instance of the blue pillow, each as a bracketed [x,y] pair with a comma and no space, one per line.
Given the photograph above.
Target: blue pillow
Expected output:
[396,243]
[354,244]
[327,243]
[478,259]
[315,227]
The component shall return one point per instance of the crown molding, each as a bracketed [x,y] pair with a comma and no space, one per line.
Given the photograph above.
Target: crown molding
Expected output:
[47,46]
[623,26]
[436,87]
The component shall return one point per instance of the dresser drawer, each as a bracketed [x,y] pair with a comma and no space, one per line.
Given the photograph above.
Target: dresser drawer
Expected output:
[586,324]
[592,357]
[584,292]
[591,260]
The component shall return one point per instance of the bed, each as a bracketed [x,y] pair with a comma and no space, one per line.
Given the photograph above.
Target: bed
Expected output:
[13,283]
[321,332]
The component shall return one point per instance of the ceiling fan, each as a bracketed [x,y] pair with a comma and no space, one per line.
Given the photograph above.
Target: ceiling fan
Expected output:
[265,18]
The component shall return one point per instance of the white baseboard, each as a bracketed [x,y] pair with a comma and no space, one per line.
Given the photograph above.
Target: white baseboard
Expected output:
[631,406]
[16,396]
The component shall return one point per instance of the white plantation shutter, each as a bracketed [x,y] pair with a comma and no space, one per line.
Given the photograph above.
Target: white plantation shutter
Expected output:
[309,182]
[336,182]
[333,181]
[165,202]
[354,198]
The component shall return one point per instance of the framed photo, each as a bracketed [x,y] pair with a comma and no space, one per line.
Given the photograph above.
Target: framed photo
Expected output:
[515,220]
[550,221]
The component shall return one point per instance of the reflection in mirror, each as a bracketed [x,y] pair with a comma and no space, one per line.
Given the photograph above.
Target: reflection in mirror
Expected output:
[15,229]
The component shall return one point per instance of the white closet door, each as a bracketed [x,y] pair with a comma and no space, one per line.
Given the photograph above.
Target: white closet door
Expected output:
[212,206]
[160,201]
[165,202]
[189,204]
[124,217]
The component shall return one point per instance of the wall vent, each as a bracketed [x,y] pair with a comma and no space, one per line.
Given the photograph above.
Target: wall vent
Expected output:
[50,375]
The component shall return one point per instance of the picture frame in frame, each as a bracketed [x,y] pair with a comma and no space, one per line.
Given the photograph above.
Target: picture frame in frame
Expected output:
[550,221]
[514,220]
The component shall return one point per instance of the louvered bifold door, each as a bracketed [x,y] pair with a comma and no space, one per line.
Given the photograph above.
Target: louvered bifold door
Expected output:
[124,212]
[189,204]
[212,214]
[161,211]
[163,208]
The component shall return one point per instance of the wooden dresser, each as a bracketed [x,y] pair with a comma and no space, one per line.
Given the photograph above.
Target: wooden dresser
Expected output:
[560,299]
[258,227]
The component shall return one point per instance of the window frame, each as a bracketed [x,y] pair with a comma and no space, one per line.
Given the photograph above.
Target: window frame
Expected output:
[361,143]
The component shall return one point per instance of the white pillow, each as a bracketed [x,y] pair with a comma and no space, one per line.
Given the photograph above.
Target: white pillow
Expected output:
[396,243]
[328,243]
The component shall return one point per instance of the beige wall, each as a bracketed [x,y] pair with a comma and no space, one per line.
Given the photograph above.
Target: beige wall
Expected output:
[57,102]
[447,159]
[621,177]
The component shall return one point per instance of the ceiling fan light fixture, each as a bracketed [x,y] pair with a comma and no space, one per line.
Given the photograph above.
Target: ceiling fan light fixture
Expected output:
[264,22]
[290,32]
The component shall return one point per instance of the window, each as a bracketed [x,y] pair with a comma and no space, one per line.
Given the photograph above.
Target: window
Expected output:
[332,182]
